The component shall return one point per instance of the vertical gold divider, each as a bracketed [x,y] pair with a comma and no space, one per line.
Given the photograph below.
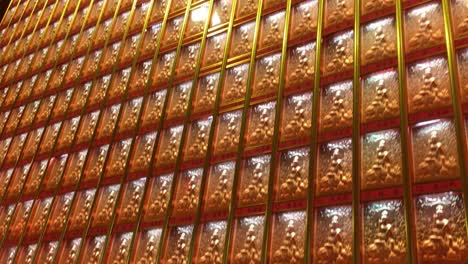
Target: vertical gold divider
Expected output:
[404,135]
[356,191]
[276,135]
[178,162]
[35,199]
[456,105]
[310,215]
[240,148]
[206,163]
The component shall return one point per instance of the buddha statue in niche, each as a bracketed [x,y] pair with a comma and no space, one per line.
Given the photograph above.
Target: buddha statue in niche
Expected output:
[382,106]
[383,171]
[337,178]
[181,250]
[342,59]
[249,253]
[425,35]
[221,197]
[149,255]
[263,130]
[430,93]
[289,250]
[214,252]
[382,48]
[158,206]
[436,164]
[334,250]
[385,247]
[440,244]
[296,183]
[256,191]
[339,115]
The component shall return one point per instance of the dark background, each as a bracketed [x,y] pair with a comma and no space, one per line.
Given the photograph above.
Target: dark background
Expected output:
[3,7]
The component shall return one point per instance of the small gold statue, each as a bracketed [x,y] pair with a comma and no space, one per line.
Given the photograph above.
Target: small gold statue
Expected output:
[131,118]
[72,254]
[209,96]
[49,258]
[237,89]
[157,208]
[269,82]
[383,171]
[120,88]
[249,254]
[303,71]
[247,8]
[381,106]
[119,163]
[180,254]
[96,170]
[29,255]
[180,106]
[382,48]
[441,246]
[191,61]
[274,36]
[130,212]
[385,248]
[213,254]
[334,250]
[171,151]
[299,125]
[216,54]
[189,201]
[96,253]
[289,251]
[230,139]
[256,191]
[149,256]
[37,226]
[18,227]
[58,223]
[174,33]
[436,164]
[430,94]
[336,179]
[122,252]
[244,44]
[221,197]
[154,111]
[338,116]
[142,79]
[4,224]
[296,183]
[342,60]
[200,144]
[104,215]
[165,72]
[108,128]
[341,13]
[263,130]
[462,28]
[81,218]
[425,36]
[143,160]
[307,23]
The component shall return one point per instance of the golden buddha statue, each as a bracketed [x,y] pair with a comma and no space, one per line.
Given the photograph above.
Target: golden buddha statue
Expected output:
[289,250]
[383,171]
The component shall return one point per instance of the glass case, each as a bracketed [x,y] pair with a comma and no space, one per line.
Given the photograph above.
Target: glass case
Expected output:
[247,240]
[293,172]
[297,116]
[336,106]
[253,187]
[260,124]
[187,192]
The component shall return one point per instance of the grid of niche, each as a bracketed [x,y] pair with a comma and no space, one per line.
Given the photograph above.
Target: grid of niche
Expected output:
[108,108]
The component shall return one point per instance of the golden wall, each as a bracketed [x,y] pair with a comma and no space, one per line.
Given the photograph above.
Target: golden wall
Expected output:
[234,131]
